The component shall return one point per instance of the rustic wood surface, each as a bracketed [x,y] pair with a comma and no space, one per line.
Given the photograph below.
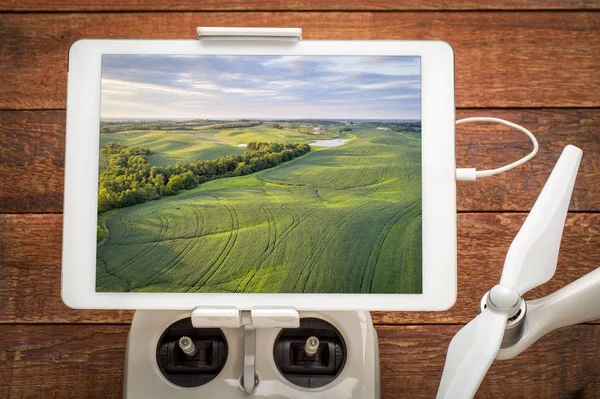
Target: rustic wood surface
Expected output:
[85,361]
[503,59]
[533,62]
[293,5]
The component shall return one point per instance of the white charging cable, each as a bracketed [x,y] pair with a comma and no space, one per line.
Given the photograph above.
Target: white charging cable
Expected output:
[471,174]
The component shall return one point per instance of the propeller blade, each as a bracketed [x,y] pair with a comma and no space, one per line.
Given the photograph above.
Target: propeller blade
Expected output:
[532,256]
[470,355]
[575,303]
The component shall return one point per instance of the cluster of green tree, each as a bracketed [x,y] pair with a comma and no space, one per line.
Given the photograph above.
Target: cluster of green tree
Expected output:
[100,233]
[229,125]
[112,127]
[312,122]
[130,179]
[277,125]
[109,127]
[305,130]
[345,129]
[311,129]
[406,127]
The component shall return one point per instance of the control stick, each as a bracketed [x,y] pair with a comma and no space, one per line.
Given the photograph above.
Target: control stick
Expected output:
[187,346]
[311,346]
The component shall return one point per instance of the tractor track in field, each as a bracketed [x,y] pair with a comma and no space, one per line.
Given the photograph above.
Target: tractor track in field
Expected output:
[188,247]
[377,186]
[115,247]
[272,224]
[356,182]
[269,249]
[375,270]
[164,226]
[363,173]
[129,227]
[231,240]
[373,258]
[322,245]
[112,275]
[110,247]
[296,220]
[316,191]
[339,175]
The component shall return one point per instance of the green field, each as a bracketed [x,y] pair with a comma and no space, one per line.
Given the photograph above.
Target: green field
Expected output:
[344,219]
[204,142]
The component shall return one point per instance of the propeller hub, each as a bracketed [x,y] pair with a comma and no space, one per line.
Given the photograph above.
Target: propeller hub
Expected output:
[505,298]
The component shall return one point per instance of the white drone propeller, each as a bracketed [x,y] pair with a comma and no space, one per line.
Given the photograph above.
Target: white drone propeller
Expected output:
[530,262]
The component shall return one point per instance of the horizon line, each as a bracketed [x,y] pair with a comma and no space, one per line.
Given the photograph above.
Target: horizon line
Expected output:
[256,119]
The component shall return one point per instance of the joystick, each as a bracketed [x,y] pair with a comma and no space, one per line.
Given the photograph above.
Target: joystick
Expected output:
[187,346]
[311,347]
[312,355]
[191,357]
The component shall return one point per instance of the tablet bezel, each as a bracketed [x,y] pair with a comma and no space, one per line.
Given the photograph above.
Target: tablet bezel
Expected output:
[438,176]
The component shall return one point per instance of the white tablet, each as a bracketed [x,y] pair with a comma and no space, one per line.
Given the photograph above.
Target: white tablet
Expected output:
[312,174]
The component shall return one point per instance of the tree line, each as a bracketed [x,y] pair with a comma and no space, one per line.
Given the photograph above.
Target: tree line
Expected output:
[130,179]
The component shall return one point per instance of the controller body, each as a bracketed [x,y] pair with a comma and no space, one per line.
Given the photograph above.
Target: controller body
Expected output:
[358,378]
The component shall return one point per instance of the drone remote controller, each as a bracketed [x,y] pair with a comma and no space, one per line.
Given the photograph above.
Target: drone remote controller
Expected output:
[167,356]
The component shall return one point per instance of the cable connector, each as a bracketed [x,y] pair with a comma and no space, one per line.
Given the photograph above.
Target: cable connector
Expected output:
[471,174]
[466,174]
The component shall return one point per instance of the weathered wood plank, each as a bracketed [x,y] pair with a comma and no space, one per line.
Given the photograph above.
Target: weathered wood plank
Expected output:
[503,59]
[562,364]
[32,159]
[71,361]
[294,5]
[488,146]
[30,258]
[32,153]
[87,361]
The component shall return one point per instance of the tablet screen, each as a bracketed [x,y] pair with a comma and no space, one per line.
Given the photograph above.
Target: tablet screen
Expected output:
[260,174]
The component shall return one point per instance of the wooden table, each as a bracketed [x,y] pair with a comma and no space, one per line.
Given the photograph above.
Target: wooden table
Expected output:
[536,63]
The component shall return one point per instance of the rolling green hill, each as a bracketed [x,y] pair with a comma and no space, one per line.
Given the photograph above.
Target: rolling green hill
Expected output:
[345,219]
[206,142]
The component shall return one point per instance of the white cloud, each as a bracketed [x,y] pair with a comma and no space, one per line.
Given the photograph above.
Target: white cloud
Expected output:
[133,87]
[206,86]
[389,85]
[116,92]
[288,84]
[402,97]
[233,76]
[385,65]
[198,84]
[287,98]
[283,60]
[255,92]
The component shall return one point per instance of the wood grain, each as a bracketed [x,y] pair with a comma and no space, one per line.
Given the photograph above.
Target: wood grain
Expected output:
[71,361]
[562,364]
[30,258]
[503,59]
[32,153]
[32,159]
[87,361]
[294,5]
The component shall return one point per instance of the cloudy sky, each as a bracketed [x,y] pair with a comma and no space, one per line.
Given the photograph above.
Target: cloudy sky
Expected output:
[232,87]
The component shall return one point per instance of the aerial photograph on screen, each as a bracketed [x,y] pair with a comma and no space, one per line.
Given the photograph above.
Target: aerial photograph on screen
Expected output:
[260,174]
